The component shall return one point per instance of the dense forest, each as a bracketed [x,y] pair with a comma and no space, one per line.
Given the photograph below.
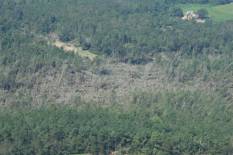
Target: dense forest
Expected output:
[128,29]
[165,123]
[159,84]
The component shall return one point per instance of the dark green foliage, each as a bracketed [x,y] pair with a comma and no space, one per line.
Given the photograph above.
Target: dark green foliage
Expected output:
[202,13]
[66,36]
[177,12]
[104,71]
[86,43]
[172,123]
[8,83]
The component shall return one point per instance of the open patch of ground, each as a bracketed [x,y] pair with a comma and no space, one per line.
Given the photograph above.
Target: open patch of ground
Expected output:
[73,46]
[69,47]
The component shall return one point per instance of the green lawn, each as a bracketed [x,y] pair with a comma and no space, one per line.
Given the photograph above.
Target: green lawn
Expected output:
[218,13]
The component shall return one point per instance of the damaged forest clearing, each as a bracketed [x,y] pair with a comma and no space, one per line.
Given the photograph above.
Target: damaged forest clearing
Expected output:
[113,77]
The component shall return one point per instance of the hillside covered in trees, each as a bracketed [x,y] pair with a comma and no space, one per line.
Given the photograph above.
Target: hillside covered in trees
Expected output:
[155,84]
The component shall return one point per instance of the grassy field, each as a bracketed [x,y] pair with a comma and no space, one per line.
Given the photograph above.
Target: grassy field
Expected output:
[218,13]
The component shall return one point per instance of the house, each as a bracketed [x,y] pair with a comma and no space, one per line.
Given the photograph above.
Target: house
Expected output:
[191,15]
